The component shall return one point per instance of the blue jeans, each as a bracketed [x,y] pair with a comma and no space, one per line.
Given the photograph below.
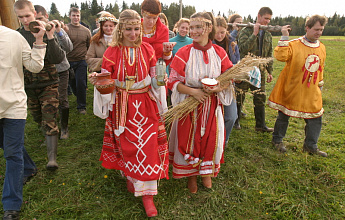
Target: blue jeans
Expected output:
[230,116]
[18,162]
[79,84]
[312,130]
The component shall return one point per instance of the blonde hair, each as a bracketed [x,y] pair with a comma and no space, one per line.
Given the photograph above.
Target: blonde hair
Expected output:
[179,22]
[124,17]
[163,17]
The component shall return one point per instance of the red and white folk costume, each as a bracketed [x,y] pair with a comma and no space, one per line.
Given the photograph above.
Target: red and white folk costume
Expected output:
[134,138]
[157,37]
[196,142]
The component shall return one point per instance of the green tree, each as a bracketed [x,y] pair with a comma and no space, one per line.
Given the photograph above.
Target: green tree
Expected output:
[124,6]
[95,8]
[135,7]
[53,9]
[54,14]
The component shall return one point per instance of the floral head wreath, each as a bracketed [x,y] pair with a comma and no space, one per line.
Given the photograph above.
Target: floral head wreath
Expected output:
[108,19]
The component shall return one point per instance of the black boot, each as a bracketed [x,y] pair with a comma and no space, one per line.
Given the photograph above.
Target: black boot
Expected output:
[64,114]
[260,125]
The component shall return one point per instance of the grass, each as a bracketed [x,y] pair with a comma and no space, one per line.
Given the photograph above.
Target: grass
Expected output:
[256,182]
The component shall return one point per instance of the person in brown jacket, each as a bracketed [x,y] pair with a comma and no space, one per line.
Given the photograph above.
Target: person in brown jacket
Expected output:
[99,42]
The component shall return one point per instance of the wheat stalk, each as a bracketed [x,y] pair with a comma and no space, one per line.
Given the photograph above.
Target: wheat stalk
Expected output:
[237,72]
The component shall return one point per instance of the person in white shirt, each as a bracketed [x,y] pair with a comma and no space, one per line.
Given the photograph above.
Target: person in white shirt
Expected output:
[14,54]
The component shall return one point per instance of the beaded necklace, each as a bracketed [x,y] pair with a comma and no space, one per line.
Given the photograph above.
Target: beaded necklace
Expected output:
[130,80]
[151,33]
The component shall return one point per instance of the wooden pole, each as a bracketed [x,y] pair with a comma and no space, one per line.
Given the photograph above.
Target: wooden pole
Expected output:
[8,16]
[180,9]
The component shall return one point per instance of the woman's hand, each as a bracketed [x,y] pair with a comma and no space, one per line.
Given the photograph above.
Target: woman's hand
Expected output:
[217,88]
[93,78]
[168,47]
[200,95]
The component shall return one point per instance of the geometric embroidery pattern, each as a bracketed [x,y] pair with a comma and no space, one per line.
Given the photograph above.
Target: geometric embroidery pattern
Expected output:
[139,121]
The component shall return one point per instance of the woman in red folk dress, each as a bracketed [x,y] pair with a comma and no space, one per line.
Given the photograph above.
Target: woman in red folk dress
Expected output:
[197,140]
[154,31]
[134,139]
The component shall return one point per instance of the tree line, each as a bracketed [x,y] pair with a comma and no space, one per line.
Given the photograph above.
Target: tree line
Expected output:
[90,9]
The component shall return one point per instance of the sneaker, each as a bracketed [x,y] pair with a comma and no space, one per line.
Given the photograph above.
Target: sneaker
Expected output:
[11,214]
[82,111]
[243,115]
[280,146]
[28,178]
[314,151]
[237,126]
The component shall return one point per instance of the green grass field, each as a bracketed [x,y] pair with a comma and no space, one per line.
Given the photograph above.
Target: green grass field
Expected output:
[256,182]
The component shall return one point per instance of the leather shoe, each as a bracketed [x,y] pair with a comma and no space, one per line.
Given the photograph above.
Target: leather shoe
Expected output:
[11,214]
[280,146]
[82,111]
[237,125]
[264,129]
[192,184]
[207,182]
[314,151]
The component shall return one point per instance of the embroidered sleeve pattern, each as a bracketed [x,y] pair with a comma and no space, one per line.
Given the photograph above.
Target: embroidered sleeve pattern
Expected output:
[174,78]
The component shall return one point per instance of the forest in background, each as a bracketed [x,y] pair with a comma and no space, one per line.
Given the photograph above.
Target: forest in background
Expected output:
[90,9]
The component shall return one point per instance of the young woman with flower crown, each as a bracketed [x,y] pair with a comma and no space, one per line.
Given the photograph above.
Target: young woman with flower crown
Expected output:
[100,41]
[197,140]
[134,138]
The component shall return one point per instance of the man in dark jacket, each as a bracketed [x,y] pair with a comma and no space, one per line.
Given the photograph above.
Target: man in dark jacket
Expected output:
[257,42]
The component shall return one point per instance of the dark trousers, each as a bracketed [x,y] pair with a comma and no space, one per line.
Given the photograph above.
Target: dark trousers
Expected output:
[79,84]
[63,89]
[312,130]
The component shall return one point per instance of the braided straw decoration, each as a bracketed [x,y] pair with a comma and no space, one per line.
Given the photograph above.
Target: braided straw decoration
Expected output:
[237,72]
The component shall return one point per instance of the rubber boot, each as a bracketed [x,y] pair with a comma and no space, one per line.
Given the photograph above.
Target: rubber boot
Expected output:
[192,185]
[260,125]
[149,206]
[52,142]
[207,181]
[64,115]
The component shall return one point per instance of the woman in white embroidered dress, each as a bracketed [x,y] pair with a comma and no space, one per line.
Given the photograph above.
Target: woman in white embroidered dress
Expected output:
[134,138]
[197,140]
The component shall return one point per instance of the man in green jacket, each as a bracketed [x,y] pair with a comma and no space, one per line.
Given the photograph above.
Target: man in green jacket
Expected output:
[257,42]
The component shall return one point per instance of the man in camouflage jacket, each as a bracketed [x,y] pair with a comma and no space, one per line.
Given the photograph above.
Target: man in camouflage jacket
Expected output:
[42,88]
[257,42]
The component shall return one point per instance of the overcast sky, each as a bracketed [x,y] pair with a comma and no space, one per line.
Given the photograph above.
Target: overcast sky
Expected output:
[244,7]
